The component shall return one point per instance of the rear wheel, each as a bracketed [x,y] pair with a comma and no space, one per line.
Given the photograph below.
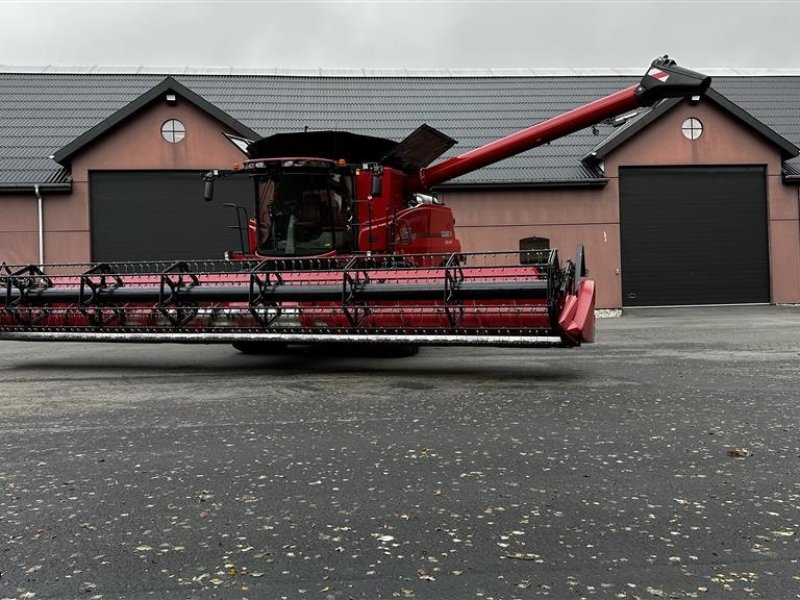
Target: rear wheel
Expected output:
[260,347]
[396,350]
[367,350]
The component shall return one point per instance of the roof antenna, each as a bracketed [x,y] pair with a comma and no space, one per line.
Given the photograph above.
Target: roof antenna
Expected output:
[305,129]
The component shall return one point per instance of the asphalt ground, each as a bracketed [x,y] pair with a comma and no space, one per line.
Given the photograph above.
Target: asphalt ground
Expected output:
[661,462]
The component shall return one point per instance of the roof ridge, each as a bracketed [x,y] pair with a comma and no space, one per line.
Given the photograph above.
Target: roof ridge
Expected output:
[371,71]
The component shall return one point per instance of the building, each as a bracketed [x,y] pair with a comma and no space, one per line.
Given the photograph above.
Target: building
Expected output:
[690,202]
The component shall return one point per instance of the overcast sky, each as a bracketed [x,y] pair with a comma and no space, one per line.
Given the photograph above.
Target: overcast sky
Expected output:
[455,34]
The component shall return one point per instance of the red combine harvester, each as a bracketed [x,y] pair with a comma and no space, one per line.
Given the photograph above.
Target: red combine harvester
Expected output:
[345,246]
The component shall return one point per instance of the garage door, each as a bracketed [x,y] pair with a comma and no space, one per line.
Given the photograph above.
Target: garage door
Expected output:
[161,215]
[694,235]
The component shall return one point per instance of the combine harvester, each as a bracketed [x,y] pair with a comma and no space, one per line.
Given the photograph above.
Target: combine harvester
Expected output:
[345,246]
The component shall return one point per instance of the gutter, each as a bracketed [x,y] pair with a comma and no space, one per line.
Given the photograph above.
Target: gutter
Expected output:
[16,188]
[795,179]
[529,185]
[40,207]
[37,189]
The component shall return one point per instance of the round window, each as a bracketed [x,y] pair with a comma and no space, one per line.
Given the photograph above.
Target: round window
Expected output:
[692,128]
[173,131]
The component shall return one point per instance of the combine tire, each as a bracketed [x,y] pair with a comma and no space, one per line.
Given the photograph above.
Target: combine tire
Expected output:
[366,350]
[261,348]
[396,351]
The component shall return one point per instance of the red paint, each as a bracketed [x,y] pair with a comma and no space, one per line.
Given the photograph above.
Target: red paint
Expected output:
[537,135]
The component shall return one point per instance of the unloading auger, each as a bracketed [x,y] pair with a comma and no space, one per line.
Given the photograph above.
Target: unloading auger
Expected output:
[346,245]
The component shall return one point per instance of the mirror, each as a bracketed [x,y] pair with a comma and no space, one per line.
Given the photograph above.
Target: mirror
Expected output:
[208,192]
[377,185]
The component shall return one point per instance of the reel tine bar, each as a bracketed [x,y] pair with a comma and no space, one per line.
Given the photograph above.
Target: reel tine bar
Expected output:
[24,281]
[169,301]
[351,287]
[93,283]
[258,293]
[453,276]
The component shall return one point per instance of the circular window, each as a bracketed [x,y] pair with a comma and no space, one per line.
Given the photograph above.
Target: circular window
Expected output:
[692,128]
[173,131]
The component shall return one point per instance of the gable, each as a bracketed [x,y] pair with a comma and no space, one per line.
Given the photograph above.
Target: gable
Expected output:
[168,91]
[648,116]
[137,143]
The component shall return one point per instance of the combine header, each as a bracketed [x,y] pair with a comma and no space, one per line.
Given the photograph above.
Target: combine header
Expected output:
[345,246]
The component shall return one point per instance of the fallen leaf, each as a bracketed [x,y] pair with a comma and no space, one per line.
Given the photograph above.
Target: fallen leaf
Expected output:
[523,556]
[739,452]
[784,533]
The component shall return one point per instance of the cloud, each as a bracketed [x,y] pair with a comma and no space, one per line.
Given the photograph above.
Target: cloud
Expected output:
[399,34]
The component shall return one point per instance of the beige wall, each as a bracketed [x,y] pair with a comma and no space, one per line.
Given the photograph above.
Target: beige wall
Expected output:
[137,144]
[726,141]
[497,220]
[19,229]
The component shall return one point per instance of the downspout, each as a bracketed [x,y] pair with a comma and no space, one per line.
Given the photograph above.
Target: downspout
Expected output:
[40,202]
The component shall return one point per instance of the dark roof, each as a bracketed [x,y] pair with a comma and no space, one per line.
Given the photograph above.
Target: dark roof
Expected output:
[43,113]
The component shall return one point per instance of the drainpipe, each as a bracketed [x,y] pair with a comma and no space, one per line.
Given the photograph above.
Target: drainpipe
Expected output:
[40,202]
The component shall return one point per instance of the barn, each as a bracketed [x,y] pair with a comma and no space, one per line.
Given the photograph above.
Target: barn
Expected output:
[688,202]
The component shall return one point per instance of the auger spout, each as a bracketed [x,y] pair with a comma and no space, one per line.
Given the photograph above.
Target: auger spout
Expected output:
[664,79]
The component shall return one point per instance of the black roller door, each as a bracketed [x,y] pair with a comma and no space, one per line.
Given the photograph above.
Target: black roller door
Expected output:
[161,215]
[694,235]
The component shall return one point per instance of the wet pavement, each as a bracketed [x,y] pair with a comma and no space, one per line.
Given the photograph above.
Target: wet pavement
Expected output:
[661,462]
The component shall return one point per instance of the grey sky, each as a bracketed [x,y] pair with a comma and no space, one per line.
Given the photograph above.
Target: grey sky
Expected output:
[457,34]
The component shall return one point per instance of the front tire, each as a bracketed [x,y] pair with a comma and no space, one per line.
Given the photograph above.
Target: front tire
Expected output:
[397,350]
[260,348]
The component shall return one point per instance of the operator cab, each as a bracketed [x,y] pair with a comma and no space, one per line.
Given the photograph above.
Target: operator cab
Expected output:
[326,193]
[303,207]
